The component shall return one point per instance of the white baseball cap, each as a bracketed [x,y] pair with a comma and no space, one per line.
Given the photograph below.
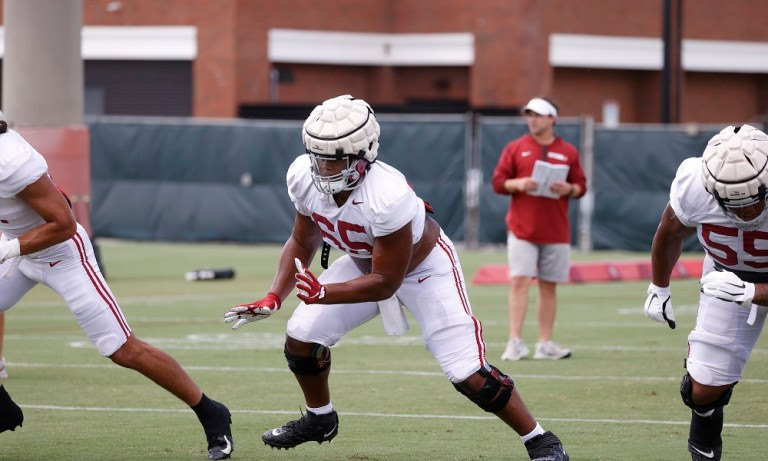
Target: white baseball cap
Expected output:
[540,106]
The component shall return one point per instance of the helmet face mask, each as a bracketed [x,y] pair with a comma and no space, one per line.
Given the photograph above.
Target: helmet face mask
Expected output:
[341,128]
[735,173]
[747,216]
[332,175]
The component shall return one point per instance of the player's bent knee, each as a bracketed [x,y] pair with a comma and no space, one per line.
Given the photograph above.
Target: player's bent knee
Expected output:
[318,362]
[495,392]
[686,392]
[108,345]
[131,353]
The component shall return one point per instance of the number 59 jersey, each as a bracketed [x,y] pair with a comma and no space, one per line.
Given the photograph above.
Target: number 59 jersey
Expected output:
[382,204]
[738,249]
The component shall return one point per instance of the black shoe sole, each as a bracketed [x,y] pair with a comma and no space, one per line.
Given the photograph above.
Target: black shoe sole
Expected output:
[281,446]
[288,447]
[7,427]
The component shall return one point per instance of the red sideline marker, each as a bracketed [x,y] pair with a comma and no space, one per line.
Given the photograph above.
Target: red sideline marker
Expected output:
[598,271]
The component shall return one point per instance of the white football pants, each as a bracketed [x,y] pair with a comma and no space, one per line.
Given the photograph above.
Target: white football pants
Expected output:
[722,341]
[433,292]
[70,269]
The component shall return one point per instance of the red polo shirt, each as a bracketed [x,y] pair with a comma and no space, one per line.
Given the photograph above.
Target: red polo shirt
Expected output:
[534,218]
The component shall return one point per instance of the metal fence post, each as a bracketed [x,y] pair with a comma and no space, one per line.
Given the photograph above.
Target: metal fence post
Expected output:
[472,182]
[587,203]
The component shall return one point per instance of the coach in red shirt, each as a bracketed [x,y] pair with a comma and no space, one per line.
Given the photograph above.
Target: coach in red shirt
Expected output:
[538,228]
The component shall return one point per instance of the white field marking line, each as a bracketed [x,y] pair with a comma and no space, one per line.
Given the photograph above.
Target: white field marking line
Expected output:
[634,310]
[375,372]
[65,315]
[181,319]
[30,314]
[569,325]
[387,415]
[175,344]
[157,299]
[275,341]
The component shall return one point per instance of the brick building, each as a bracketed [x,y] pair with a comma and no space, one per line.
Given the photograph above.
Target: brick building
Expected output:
[224,58]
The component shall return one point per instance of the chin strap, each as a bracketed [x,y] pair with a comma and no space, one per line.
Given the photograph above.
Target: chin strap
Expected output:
[324,253]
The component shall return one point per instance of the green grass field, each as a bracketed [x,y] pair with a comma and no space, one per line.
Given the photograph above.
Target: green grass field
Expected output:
[615,399]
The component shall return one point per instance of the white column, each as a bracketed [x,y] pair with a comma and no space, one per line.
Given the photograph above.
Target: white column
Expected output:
[43,66]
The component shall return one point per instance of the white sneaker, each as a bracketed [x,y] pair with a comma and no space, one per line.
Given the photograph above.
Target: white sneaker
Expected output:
[516,350]
[551,350]
[3,370]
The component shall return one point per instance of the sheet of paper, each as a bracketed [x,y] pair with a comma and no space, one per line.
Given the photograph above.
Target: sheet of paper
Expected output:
[545,173]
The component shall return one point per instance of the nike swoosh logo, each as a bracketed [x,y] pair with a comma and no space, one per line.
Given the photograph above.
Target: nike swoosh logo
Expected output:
[228,449]
[422,279]
[526,153]
[708,454]
[331,431]
[54,263]
[355,202]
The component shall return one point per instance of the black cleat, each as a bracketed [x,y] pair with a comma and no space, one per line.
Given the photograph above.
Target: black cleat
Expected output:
[220,442]
[309,428]
[220,446]
[546,447]
[11,416]
[699,453]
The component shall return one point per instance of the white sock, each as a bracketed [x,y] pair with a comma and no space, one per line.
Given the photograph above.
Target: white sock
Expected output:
[324,410]
[536,431]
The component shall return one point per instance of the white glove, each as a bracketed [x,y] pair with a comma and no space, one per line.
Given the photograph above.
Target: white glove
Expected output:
[658,305]
[251,312]
[9,249]
[728,287]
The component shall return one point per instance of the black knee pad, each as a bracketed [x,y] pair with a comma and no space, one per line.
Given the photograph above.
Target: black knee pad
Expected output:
[310,366]
[686,388]
[496,391]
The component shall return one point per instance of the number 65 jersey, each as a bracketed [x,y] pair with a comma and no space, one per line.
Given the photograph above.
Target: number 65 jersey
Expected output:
[380,205]
[744,252]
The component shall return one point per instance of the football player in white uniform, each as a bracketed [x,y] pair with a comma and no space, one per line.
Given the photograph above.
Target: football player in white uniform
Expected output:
[722,197]
[363,207]
[42,243]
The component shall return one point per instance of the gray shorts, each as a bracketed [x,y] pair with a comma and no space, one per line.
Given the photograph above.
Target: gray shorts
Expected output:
[549,262]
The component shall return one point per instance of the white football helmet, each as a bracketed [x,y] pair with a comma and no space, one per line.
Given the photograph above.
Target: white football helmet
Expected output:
[735,171]
[341,128]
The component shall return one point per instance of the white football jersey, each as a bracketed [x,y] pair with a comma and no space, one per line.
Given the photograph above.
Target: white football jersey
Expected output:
[726,244]
[382,204]
[20,166]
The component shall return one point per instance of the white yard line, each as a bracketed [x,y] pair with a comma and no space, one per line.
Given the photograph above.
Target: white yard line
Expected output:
[358,372]
[388,415]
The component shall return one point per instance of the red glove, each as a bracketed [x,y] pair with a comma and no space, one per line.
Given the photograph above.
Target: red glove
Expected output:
[251,312]
[310,290]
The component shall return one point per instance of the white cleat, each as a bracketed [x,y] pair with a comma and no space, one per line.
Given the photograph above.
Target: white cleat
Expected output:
[515,350]
[550,350]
